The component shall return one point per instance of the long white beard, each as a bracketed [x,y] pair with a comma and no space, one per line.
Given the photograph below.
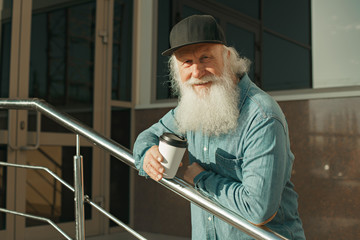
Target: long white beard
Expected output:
[214,111]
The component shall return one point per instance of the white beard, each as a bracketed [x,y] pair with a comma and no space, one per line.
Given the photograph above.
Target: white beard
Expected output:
[214,111]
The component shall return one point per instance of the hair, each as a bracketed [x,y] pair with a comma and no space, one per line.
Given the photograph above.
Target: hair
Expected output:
[237,66]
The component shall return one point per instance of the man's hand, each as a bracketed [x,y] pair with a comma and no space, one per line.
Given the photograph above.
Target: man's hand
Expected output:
[192,171]
[152,163]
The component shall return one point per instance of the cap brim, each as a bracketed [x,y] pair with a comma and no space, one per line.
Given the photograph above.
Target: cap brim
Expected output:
[170,51]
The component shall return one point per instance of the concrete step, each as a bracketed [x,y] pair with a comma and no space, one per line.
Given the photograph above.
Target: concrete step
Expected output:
[128,236]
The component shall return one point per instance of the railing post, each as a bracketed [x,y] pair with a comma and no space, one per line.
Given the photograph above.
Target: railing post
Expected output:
[79,193]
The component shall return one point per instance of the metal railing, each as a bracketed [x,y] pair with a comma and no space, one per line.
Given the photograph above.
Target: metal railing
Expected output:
[176,185]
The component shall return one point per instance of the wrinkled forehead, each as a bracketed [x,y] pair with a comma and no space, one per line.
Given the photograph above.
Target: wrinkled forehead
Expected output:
[199,49]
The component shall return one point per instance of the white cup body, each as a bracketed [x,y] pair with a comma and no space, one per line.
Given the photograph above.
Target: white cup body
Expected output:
[172,158]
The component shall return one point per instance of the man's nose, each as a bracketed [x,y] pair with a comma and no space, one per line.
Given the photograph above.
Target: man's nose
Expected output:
[198,70]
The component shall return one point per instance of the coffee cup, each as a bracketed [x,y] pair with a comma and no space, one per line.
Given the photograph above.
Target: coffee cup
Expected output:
[172,147]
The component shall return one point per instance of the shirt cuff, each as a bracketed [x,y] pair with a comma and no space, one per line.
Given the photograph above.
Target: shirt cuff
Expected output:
[140,168]
[200,177]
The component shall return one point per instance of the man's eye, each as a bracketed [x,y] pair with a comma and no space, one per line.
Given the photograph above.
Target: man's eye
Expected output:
[187,62]
[205,58]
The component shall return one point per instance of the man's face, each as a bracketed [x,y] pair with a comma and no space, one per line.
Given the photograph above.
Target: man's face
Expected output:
[200,60]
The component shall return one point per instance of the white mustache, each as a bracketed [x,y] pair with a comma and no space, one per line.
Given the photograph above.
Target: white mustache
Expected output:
[193,81]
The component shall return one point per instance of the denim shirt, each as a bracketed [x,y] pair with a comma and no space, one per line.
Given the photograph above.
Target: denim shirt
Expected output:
[248,170]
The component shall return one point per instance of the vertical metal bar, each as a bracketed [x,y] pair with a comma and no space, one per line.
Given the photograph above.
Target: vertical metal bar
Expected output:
[79,193]
[77,145]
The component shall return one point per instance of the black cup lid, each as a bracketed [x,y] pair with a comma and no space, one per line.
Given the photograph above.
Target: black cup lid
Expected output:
[174,140]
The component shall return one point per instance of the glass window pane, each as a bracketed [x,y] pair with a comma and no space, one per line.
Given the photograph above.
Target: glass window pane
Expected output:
[290,18]
[3,157]
[285,65]
[47,197]
[335,43]
[119,171]
[62,59]
[5,57]
[162,72]
[122,47]
[5,46]
[247,7]
[188,11]
[244,42]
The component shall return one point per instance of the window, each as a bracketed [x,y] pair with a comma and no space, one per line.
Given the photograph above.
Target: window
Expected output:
[5,46]
[286,55]
[336,52]
[164,24]
[62,59]
[122,35]
[285,64]
[275,36]
[5,57]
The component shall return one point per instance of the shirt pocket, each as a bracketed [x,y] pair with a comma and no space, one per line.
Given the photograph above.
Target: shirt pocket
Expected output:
[228,165]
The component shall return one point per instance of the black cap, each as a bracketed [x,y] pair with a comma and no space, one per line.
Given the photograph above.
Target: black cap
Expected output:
[195,29]
[174,140]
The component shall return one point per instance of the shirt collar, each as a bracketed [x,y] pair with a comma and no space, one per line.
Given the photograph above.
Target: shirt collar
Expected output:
[244,86]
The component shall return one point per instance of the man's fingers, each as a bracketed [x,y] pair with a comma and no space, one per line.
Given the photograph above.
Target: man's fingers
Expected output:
[156,175]
[152,171]
[157,165]
[152,163]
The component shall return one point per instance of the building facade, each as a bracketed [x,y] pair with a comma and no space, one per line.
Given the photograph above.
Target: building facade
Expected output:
[100,61]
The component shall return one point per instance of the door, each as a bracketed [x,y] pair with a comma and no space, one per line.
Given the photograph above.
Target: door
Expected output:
[53,52]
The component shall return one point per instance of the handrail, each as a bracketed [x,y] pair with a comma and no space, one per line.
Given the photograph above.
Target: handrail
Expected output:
[37,218]
[176,185]
[86,199]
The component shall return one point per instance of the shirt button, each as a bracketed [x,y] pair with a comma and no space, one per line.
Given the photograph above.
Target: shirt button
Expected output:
[209,218]
[205,149]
